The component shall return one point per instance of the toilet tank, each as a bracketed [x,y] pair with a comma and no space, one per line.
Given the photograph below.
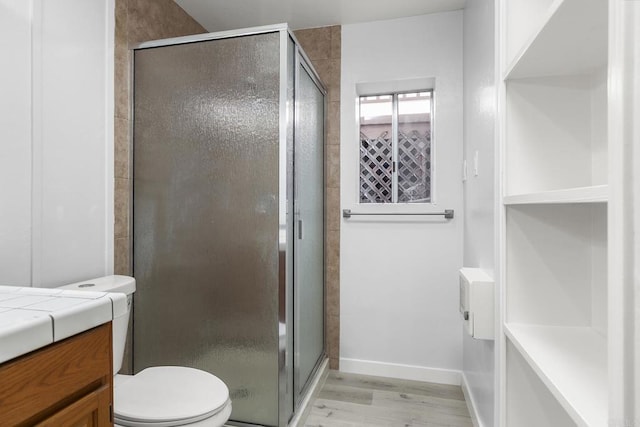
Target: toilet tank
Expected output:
[119,284]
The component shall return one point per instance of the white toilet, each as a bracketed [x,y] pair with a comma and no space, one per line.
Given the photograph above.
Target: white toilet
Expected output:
[160,396]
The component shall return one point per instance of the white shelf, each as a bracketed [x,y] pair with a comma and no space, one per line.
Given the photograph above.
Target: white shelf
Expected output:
[594,194]
[572,363]
[572,39]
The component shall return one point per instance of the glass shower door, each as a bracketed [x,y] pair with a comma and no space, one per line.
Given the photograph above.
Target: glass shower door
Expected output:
[206,206]
[309,233]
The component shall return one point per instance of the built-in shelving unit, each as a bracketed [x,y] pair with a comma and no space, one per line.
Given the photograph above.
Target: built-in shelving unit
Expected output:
[568,360]
[555,195]
[593,194]
[569,38]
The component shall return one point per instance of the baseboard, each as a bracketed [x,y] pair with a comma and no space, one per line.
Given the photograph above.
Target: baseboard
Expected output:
[468,397]
[406,372]
[318,381]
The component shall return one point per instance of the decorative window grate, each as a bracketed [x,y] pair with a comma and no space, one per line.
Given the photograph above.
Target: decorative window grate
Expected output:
[414,167]
[376,169]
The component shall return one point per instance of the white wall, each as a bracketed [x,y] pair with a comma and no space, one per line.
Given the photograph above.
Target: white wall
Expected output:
[57,174]
[479,135]
[398,275]
[15,142]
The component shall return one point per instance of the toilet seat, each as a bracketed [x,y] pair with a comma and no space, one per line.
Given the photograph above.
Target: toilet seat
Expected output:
[165,396]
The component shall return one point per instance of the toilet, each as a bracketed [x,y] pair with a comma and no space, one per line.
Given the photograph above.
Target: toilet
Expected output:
[159,396]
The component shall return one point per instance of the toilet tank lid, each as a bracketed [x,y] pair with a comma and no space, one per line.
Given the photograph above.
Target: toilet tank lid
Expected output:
[115,283]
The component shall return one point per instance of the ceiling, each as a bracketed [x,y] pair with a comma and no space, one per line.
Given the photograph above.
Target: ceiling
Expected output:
[221,15]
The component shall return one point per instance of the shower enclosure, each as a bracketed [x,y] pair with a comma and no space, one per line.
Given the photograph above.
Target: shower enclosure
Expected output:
[228,218]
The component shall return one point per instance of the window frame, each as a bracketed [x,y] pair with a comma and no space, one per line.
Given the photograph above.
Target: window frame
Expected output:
[395,144]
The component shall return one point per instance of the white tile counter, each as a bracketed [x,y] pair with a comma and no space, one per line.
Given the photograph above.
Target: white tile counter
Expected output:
[31,318]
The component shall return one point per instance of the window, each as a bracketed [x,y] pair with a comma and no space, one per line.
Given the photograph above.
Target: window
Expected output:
[395,147]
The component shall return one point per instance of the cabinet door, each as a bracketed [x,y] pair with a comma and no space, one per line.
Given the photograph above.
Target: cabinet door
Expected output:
[37,385]
[93,410]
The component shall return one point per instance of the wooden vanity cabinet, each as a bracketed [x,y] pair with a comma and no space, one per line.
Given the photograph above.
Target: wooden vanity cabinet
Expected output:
[66,384]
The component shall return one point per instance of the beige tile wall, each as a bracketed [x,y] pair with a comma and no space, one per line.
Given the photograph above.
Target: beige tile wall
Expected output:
[323,47]
[143,20]
[136,21]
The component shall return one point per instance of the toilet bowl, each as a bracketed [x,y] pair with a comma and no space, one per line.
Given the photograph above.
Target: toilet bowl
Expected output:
[169,396]
[159,396]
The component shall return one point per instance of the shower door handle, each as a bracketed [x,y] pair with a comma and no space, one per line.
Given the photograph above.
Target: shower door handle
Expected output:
[299,229]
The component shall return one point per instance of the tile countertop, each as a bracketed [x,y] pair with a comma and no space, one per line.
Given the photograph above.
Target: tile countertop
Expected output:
[31,318]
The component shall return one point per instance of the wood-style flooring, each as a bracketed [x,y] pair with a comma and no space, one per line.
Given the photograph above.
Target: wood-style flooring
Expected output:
[349,400]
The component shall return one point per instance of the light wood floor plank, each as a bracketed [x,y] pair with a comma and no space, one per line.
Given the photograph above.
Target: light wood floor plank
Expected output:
[399,385]
[414,415]
[413,401]
[348,400]
[318,421]
[346,394]
[339,411]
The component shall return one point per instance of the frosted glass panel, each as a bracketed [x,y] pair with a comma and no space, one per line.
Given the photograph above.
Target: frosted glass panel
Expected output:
[309,241]
[206,214]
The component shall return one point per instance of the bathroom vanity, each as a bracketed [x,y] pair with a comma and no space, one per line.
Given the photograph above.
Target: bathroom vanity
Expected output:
[56,361]
[66,383]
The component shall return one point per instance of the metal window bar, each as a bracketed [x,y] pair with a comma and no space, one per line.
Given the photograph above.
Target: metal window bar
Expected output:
[448,213]
[394,148]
